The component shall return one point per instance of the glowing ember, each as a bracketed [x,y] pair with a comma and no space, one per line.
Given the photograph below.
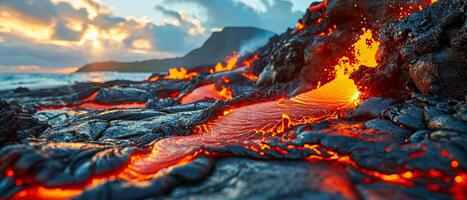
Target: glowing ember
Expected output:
[249,62]
[454,164]
[328,32]
[250,76]
[299,26]
[180,74]
[406,10]
[226,80]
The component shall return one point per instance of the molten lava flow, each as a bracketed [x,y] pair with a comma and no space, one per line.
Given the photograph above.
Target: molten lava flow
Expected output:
[89,104]
[95,106]
[249,62]
[180,74]
[250,76]
[224,93]
[90,97]
[249,124]
[153,78]
[231,63]
[329,155]
[318,6]
[245,126]
[207,92]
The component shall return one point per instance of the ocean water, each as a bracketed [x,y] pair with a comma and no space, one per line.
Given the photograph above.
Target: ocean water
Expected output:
[37,80]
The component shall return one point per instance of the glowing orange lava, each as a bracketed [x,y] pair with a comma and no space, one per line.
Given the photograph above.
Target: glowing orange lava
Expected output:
[402,178]
[224,93]
[96,106]
[459,189]
[318,6]
[245,126]
[249,62]
[180,74]
[153,78]
[299,26]
[406,10]
[207,92]
[231,63]
[88,103]
[250,76]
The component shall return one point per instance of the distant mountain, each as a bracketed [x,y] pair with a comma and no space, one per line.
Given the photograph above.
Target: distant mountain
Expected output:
[215,49]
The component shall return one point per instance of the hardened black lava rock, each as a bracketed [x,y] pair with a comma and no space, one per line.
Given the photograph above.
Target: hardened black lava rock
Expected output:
[16,124]
[310,53]
[425,51]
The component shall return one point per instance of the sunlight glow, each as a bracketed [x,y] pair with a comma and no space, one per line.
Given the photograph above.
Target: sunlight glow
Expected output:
[12,24]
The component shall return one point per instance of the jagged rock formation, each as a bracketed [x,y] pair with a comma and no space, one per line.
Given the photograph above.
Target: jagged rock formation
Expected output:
[16,124]
[326,35]
[425,50]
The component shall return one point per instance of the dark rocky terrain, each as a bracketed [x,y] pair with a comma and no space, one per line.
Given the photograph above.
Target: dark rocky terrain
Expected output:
[216,47]
[155,139]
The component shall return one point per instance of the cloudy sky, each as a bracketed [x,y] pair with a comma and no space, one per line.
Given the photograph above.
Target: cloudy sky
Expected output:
[50,35]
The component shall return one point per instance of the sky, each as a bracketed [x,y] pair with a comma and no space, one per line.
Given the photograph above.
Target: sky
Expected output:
[60,35]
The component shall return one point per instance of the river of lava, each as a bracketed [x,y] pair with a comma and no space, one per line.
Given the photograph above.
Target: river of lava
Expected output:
[95,106]
[245,126]
[88,103]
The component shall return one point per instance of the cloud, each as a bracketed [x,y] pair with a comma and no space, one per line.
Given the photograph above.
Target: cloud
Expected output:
[63,33]
[38,11]
[36,69]
[278,14]
[56,33]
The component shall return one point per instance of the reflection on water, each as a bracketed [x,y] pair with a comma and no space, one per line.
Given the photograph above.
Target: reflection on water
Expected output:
[34,81]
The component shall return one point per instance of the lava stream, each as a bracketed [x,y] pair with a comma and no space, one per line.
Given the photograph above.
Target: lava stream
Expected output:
[244,126]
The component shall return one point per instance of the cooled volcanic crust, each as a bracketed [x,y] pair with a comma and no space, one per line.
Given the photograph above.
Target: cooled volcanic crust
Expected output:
[410,143]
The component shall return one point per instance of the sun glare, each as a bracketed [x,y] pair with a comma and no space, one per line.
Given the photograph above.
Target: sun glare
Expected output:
[92,36]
